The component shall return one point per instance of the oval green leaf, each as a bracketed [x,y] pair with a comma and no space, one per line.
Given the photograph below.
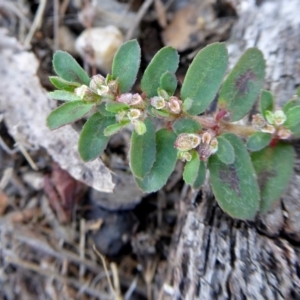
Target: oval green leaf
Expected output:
[115,107]
[143,151]
[92,141]
[62,84]
[274,167]
[68,68]
[258,141]
[243,85]
[186,125]
[114,128]
[290,104]
[204,77]
[166,59]
[225,151]
[168,82]
[292,117]
[68,113]
[191,169]
[101,109]
[166,156]
[201,176]
[63,96]
[126,65]
[235,186]
[266,102]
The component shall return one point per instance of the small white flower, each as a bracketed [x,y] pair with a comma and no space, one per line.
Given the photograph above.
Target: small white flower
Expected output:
[158,102]
[134,114]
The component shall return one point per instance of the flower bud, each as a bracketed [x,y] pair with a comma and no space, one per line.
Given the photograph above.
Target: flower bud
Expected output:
[213,146]
[102,90]
[284,133]
[204,151]
[158,102]
[81,91]
[258,121]
[187,141]
[206,138]
[279,117]
[184,156]
[96,82]
[133,114]
[269,129]
[136,99]
[174,105]
[125,98]
[113,86]
[85,93]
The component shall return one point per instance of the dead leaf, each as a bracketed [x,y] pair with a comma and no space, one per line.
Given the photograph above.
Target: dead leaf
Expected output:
[63,192]
[3,203]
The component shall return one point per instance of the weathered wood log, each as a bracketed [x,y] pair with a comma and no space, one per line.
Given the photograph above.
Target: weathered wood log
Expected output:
[214,256]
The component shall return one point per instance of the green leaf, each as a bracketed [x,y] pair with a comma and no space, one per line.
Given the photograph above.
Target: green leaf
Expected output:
[166,156]
[166,59]
[242,86]
[126,64]
[68,68]
[186,126]
[258,141]
[295,131]
[115,107]
[191,169]
[101,108]
[290,104]
[168,82]
[159,113]
[266,102]
[274,167]
[187,104]
[68,113]
[225,151]
[234,185]
[114,128]
[63,96]
[143,151]
[292,117]
[62,84]
[201,176]
[92,141]
[204,77]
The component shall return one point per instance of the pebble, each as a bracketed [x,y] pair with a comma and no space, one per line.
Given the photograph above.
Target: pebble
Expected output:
[98,46]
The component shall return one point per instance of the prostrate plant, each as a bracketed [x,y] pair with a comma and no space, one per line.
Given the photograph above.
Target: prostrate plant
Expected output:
[243,183]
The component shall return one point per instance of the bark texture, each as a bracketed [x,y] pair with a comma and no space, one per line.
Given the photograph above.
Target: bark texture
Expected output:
[213,255]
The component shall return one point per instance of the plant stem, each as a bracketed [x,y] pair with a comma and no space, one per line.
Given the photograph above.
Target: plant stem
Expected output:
[237,129]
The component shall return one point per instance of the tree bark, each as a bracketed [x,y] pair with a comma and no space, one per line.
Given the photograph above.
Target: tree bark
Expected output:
[217,257]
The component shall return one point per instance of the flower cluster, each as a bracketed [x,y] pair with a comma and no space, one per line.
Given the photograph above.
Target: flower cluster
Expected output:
[98,90]
[205,144]
[134,112]
[273,123]
[166,106]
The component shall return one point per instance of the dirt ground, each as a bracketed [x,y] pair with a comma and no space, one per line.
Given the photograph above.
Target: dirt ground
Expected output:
[59,238]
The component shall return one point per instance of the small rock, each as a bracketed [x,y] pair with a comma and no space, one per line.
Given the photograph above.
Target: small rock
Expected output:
[126,194]
[98,46]
[66,40]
